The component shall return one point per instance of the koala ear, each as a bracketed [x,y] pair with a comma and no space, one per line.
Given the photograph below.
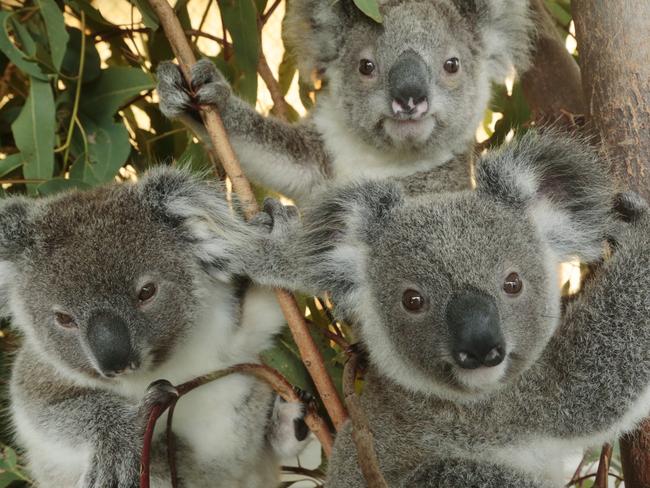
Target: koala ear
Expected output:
[200,213]
[337,231]
[560,182]
[507,28]
[314,31]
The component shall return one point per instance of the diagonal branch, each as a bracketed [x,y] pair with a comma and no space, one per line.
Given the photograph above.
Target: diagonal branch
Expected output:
[309,352]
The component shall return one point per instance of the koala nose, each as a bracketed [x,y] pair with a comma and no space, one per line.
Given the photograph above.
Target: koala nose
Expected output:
[109,340]
[408,85]
[476,338]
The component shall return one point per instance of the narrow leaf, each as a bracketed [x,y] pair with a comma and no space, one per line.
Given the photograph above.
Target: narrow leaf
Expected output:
[10,163]
[149,17]
[16,56]
[34,131]
[56,32]
[57,185]
[370,8]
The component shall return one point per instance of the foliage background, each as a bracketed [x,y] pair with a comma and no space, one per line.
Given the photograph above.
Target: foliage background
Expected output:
[77,109]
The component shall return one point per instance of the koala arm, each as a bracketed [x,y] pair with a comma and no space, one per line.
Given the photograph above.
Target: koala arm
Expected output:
[596,371]
[452,473]
[290,159]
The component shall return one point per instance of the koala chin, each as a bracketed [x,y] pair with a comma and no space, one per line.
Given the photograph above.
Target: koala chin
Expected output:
[399,99]
[123,285]
[478,376]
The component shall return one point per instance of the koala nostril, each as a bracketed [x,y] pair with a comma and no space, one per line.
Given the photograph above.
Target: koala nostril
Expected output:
[466,360]
[494,357]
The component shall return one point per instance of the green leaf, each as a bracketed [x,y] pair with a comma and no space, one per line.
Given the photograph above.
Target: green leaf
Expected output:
[240,18]
[10,163]
[285,358]
[370,8]
[56,185]
[7,477]
[92,62]
[106,152]
[286,71]
[149,17]
[116,86]
[56,32]
[16,56]
[34,131]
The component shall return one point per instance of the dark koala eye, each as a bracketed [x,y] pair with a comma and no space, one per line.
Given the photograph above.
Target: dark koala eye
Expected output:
[413,300]
[452,65]
[513,284]
[366,67]
[65,320]
[147,292]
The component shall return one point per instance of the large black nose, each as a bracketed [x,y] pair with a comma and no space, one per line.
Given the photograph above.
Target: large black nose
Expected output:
[408,83]
[476,338]
[108,337]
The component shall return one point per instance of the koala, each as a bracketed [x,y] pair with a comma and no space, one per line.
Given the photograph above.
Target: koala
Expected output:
[401,99]
[478,375]
[122,285]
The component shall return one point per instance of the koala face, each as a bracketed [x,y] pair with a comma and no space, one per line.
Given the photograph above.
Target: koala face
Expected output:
[461,322]
[107,282]
[419,79]
[457,294]
[413,81]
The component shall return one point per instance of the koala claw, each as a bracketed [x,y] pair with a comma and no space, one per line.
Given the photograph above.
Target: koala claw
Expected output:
[290,433]
[208,84]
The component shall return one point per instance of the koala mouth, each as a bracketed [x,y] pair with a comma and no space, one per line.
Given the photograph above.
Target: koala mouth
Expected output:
[483,378]
[410,129]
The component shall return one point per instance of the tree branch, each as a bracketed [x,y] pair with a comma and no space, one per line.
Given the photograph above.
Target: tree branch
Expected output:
[311,356]
[361,433]
[279,103]
[552,86]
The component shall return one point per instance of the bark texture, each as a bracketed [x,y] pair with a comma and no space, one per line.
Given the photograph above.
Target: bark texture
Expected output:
[614,44]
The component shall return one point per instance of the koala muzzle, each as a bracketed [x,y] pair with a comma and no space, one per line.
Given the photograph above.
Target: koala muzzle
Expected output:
[408,83]
[476,337]
[109,340]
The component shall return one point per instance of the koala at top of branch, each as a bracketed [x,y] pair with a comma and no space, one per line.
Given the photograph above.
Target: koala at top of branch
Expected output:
[401,98]
[119,286]
[478,377]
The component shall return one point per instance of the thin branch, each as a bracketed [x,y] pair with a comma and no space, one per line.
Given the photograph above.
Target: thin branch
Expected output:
[279,103]
[602,475]
[267,15]
[361,433]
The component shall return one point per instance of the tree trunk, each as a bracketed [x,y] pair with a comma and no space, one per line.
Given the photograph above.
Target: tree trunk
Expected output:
[552,86]
[614,43]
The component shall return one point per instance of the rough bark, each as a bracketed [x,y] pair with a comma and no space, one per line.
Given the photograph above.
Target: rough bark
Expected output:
[614,43]
[552,86]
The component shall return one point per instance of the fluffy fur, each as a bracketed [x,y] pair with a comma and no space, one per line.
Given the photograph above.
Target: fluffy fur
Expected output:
[87,254]
[435,423]
[354,131]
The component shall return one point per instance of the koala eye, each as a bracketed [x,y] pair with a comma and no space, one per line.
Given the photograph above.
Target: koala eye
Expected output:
[366,67]
[65,320]
[512,284]
[452,65]
[147,292]
[413,300]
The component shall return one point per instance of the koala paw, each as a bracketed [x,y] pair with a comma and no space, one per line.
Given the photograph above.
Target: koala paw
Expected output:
[278,218]
[208,87]
[160,392]
[289,432]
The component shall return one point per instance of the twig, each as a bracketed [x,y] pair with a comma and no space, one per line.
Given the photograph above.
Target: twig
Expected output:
[267,15]
[265,373]
[361,433]
[602,474]
[311,356]
[279,103]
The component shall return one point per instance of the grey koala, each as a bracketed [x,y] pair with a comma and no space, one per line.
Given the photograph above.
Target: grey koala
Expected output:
[119,286]
[402,98]
[477,376]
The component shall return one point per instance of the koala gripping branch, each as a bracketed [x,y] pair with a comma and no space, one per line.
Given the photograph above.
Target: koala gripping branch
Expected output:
[310,354]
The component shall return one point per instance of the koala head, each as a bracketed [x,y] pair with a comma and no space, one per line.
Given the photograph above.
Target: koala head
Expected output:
[105,283]
[421,78]
[457,294]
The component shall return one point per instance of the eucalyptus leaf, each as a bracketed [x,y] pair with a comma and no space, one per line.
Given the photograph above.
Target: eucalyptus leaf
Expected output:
[370,8]
[149,17]
[56,31]
[57,185]
[92,62]
[10,163]
[16,56]
[114,88]
[34,131]
[286,71]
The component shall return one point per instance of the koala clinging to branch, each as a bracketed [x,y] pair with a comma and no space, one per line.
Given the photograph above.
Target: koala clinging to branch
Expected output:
[401,98]
[120,286]
[477,376]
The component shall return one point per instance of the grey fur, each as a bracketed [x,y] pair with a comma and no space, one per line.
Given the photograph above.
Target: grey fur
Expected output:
[353,131]
[435,424]
[80,252]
